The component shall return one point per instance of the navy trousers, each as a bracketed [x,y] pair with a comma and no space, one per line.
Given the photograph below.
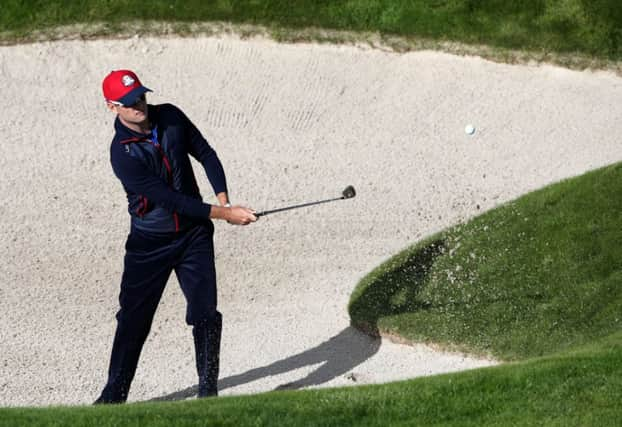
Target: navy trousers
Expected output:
[149,261]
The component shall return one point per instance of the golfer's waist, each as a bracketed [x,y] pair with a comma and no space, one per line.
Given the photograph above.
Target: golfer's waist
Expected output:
[162,224]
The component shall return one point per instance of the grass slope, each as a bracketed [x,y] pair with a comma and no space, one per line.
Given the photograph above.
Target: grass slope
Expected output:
[590,27]
[578,388]
[535,276]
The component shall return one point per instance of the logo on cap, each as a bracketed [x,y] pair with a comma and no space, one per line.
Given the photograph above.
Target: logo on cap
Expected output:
[127,80]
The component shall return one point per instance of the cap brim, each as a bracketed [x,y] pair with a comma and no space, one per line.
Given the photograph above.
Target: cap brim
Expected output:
[133,95]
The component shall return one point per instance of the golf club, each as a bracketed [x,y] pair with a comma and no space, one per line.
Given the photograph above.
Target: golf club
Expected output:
[347,193]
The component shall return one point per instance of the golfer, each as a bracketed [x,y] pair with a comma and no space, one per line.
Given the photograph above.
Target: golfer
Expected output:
[171,229]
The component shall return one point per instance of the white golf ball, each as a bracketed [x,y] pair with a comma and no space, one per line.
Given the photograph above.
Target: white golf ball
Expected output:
[469,129]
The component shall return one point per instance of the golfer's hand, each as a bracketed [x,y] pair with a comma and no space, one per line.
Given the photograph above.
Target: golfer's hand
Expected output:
[240,215]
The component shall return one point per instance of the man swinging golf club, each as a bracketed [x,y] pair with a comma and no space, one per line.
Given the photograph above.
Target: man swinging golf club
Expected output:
[171,229]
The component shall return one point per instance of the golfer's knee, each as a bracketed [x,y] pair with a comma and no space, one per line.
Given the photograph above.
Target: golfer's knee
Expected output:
[134,327]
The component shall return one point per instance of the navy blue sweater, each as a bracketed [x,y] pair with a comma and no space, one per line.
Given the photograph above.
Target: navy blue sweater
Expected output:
[157,175]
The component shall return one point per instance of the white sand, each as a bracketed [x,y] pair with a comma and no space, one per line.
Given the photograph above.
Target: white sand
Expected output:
[291,123]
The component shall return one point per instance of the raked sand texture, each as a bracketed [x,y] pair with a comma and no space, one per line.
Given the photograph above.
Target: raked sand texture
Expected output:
[291,123]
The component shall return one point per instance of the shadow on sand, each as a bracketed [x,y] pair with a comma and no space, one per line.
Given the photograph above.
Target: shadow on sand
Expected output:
[338,355]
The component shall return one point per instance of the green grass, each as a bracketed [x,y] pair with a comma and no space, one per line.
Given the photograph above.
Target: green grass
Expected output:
[578,388]
[533,277]
[587,27]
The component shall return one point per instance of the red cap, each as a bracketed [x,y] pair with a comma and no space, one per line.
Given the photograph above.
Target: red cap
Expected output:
[123,86]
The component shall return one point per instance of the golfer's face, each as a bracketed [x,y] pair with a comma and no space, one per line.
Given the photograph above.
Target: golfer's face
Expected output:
[136,113]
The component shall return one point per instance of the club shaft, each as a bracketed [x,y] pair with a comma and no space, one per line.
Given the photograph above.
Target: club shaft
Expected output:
[287,208]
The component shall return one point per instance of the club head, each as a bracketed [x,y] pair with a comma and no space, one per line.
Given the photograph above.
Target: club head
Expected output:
[348,192]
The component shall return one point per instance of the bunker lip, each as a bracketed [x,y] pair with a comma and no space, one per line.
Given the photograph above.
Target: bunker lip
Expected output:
[285,119]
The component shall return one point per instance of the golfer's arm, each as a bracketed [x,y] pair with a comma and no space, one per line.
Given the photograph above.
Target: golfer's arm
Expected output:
[199,148]
[220,212]
[223,198]
[140,180]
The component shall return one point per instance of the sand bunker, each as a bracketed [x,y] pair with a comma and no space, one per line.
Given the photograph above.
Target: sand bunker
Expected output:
[291,123]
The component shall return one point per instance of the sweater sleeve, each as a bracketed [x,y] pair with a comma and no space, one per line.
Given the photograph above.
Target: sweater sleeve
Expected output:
[138,179]
[199,148]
